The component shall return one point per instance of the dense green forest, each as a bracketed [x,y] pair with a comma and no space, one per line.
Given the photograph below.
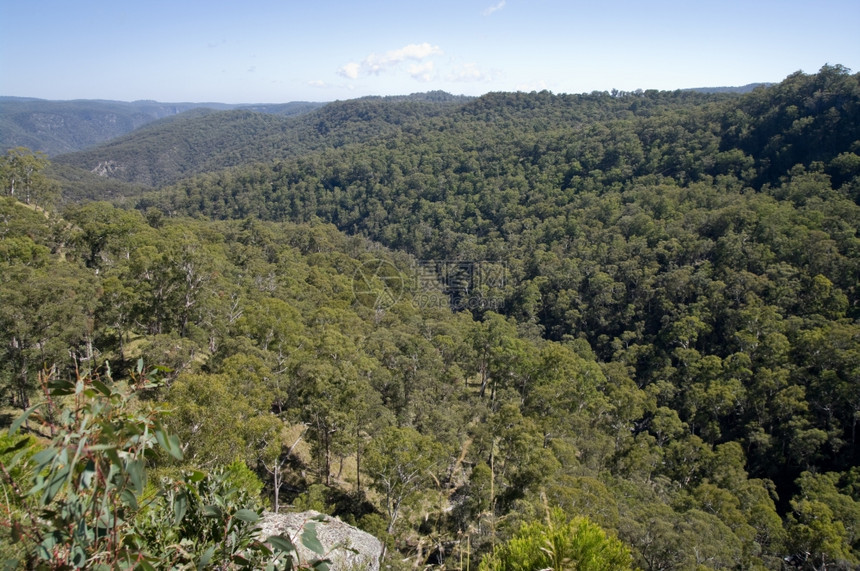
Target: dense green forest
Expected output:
[464,324]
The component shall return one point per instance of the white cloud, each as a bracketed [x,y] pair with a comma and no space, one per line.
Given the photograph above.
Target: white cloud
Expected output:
[413,51]
[350,70]
[422,71]
[317,83]
[379,63]
[494,8]
[469,72]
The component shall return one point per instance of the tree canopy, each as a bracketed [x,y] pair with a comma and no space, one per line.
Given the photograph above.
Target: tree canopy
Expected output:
[442,319]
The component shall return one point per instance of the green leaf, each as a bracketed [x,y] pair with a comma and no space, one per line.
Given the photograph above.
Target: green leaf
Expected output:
[88,475]
[136,470]
[170,443]
[38,485]
[54,484]
[44,457]
[129,499]
[46,548]
[310,539]
[22,419]
[321,564]
[101,387]
[79,556]
[197,476]
[139,366]
[112,454]
[213,511]
[175,447]
[248,515]
[281,543]
[17,531]
[101,447]
[159,369]
[206,558]
[180,505]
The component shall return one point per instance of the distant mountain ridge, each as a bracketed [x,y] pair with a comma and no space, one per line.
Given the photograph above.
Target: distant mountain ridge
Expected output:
[202,140]
[57,127]
[60,127]
[731,89]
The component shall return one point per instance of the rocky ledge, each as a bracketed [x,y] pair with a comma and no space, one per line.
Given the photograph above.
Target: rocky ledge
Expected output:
[347,547]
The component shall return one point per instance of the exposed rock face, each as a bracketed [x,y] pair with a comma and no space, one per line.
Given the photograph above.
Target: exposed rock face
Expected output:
[106,168]
[349,548]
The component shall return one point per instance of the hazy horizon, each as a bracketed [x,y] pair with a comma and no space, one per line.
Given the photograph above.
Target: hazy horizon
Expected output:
[269,52]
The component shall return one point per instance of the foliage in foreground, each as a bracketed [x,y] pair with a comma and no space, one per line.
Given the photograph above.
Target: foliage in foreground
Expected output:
[82,500]
[560,545]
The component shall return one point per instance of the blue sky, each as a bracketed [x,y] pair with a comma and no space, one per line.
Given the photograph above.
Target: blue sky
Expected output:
[268,51]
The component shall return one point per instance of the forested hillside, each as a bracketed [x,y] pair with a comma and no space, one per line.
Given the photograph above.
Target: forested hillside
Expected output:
[203,140]
[454,322]
[56,127]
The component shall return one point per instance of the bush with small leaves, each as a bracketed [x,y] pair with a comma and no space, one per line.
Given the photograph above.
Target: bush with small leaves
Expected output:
[81,500]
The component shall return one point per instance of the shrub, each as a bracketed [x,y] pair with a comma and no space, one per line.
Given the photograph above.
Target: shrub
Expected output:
[82,500]
[560,545]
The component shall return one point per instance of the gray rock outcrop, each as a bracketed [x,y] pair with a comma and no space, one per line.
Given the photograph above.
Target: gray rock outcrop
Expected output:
[348,548]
